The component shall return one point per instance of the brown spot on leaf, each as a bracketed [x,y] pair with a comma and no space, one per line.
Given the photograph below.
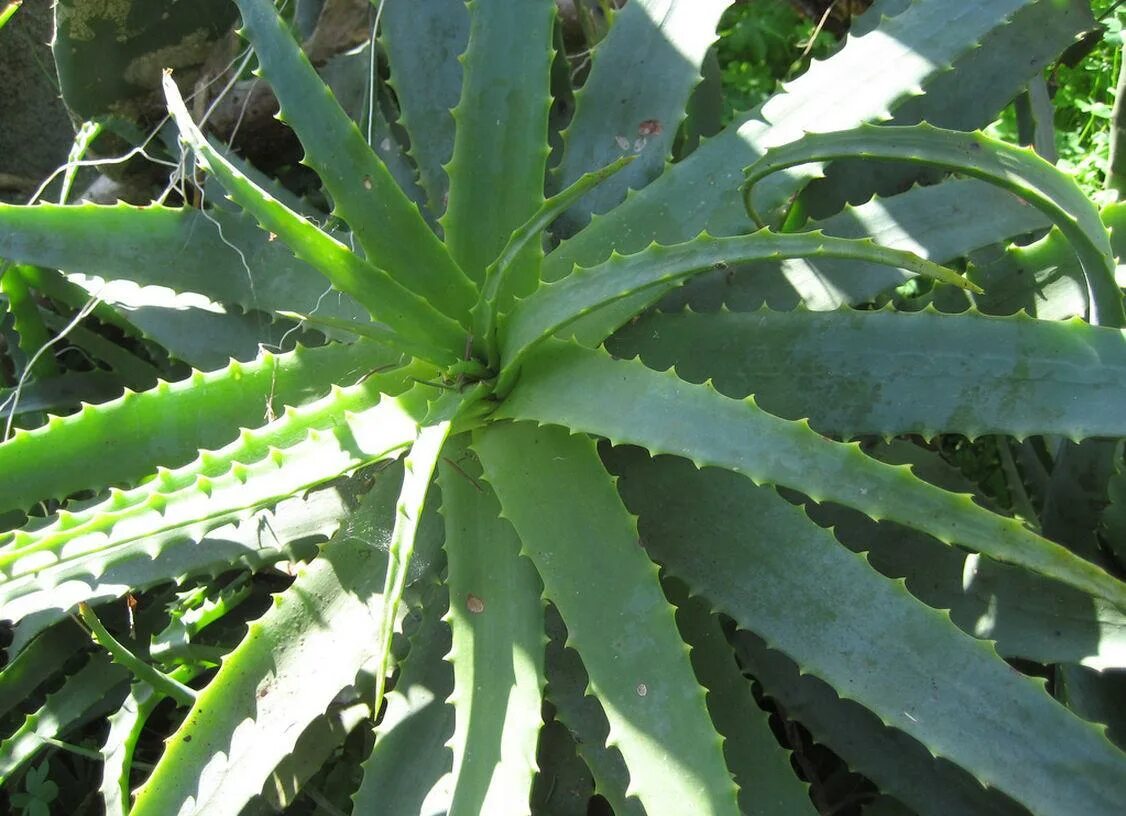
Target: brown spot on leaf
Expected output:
[650,127]
[474,604]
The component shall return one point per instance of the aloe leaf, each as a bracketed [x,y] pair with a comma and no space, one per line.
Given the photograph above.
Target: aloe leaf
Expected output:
[389,227]
[556,305]
[131,369]
[500,149]
[169,424]
[576,707]
[27,322]
[289,530]
[497,275]
[228,485]
[144,245]
[108,57]
[897,763]
[864,372]
[755,556]
[423,41]
[372,331]
[1016,169]
[1024,614]
[410,758]
[1114,516]
[385,299]
[24,673]
[496,616]
[83,696]
[125,727]
[761,767]
[924,40]
[665,414]
[57,394]
[940,222]
[564,786]
[294,660]
[418,470]
[564,507]
[633,101]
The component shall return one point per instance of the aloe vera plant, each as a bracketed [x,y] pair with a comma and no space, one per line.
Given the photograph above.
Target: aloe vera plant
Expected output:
[529,443]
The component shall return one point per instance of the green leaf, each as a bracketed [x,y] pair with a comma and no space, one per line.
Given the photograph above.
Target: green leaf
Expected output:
[553,306]
[109,56]
[168,425]
[496,616]
[385,299]
[1016,169]
[423,41]
[27,322]
[767,784]
[232,261]
[82,697]
[924,41]
[891,373]
[667,415]
[411,757]
[500,149]
[389,227]
[294,660]
[37,662]
[584,544]
[897,763]
[418,468]
[757,557]
[940,222]
[633,100]
[261,468]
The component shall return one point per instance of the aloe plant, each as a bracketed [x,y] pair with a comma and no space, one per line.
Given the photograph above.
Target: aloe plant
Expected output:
[529,444]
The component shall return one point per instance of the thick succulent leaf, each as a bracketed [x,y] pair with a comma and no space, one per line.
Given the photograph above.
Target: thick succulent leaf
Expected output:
[26,322]
[385,299]
[422,41]
[22,675]
[583,542]
[404,772]
[500,148]
[1114,516]
[1016,169]
[897,763]
[256,471]
[59,393]
[564,786]
[83,696]
[294,660]
[756,557]
[169,424]
[577,708]
[554,306]
[1043,278]
[767,784]
[496,616]
[109,56]
[388,226]
[891,373]
[939,222]
[125,726]
[1097,698]
[290,530]
[641,77]
[668,415]
[1025,615]
[418,473]
[231,262]
[923,41]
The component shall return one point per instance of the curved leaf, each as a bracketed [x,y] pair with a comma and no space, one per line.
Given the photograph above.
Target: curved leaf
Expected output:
[556,305]
[168,425]
[1016,169]
[389,227]
[667,415]
[385,299]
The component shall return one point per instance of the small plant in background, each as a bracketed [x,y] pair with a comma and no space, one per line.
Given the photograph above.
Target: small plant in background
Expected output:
[565,464]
